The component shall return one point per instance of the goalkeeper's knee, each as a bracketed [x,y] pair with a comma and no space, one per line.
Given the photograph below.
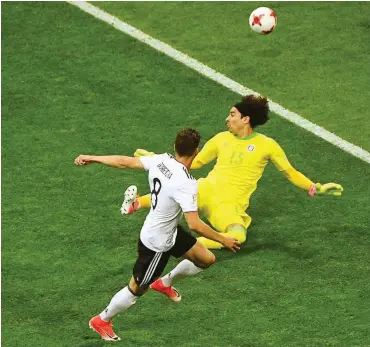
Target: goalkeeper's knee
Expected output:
[238,234]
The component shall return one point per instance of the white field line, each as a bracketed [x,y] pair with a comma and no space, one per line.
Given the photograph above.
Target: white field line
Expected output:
[221,79]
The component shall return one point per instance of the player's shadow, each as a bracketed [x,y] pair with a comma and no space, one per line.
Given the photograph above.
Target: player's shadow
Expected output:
[252,246]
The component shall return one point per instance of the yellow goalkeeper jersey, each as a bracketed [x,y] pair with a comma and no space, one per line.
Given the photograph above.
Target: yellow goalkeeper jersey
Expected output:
[240,163]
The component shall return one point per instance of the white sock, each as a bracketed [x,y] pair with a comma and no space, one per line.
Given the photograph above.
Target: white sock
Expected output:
[119,303]
[183,269]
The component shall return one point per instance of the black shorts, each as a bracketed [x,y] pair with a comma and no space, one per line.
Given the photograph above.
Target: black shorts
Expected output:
[150,264]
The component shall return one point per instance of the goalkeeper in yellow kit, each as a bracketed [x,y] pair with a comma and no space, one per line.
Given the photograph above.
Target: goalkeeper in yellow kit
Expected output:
[242,155]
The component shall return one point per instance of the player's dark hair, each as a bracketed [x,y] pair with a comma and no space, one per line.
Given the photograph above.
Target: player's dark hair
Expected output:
[255,107]
[187,141]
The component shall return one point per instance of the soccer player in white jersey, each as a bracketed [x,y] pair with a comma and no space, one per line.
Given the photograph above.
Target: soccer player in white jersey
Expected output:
[173,192]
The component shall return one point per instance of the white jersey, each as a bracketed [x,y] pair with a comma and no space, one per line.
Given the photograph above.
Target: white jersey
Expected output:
[173,191]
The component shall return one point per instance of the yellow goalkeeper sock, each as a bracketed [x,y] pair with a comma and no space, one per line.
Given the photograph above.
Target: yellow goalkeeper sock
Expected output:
[210,244]
[238,233]
[145,201]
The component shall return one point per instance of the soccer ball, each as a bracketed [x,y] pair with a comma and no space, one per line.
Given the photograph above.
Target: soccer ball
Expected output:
[263,20]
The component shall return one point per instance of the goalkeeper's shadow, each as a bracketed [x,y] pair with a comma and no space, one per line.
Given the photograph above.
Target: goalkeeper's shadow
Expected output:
[253,247]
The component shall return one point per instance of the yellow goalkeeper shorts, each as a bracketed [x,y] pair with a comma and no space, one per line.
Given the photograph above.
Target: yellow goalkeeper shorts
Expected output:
[221,211]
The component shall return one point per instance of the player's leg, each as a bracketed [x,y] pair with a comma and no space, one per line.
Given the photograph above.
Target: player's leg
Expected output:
[120,302]
[132,202]
[147,268]
[200,256]
[197,259]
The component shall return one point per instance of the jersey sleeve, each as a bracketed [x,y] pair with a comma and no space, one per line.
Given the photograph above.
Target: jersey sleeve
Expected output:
[150,161]
[186,196]
[207,154]
[278,157]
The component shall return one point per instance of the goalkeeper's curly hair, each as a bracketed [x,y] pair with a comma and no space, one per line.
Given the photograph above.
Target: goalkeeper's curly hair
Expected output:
[254,107]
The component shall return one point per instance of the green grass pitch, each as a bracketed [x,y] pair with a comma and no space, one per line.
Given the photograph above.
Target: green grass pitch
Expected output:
[72,84]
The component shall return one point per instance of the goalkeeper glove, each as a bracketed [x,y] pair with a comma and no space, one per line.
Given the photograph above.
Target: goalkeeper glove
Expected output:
[326,189]
[143,153]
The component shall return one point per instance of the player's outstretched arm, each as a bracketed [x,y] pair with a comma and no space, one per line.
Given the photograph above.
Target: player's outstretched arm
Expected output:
[116,161]
[301,181]
[196,224]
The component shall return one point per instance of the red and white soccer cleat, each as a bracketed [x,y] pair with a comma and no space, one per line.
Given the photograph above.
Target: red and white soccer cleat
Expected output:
[170,291]
[103,328]
[130,201]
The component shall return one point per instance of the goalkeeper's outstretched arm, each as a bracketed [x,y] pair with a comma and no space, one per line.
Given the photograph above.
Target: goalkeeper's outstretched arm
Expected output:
[301,181]
[281,162]
[297,178]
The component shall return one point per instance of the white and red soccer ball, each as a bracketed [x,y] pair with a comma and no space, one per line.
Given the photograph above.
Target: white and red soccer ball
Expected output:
[263,20]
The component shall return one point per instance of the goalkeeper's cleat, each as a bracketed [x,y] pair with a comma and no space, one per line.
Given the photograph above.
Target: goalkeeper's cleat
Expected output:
[170,291]
[333,189]
[143,153]
[130,201]
[103,328]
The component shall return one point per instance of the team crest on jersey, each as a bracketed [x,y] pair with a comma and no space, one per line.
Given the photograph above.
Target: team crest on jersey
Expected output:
[251,148]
